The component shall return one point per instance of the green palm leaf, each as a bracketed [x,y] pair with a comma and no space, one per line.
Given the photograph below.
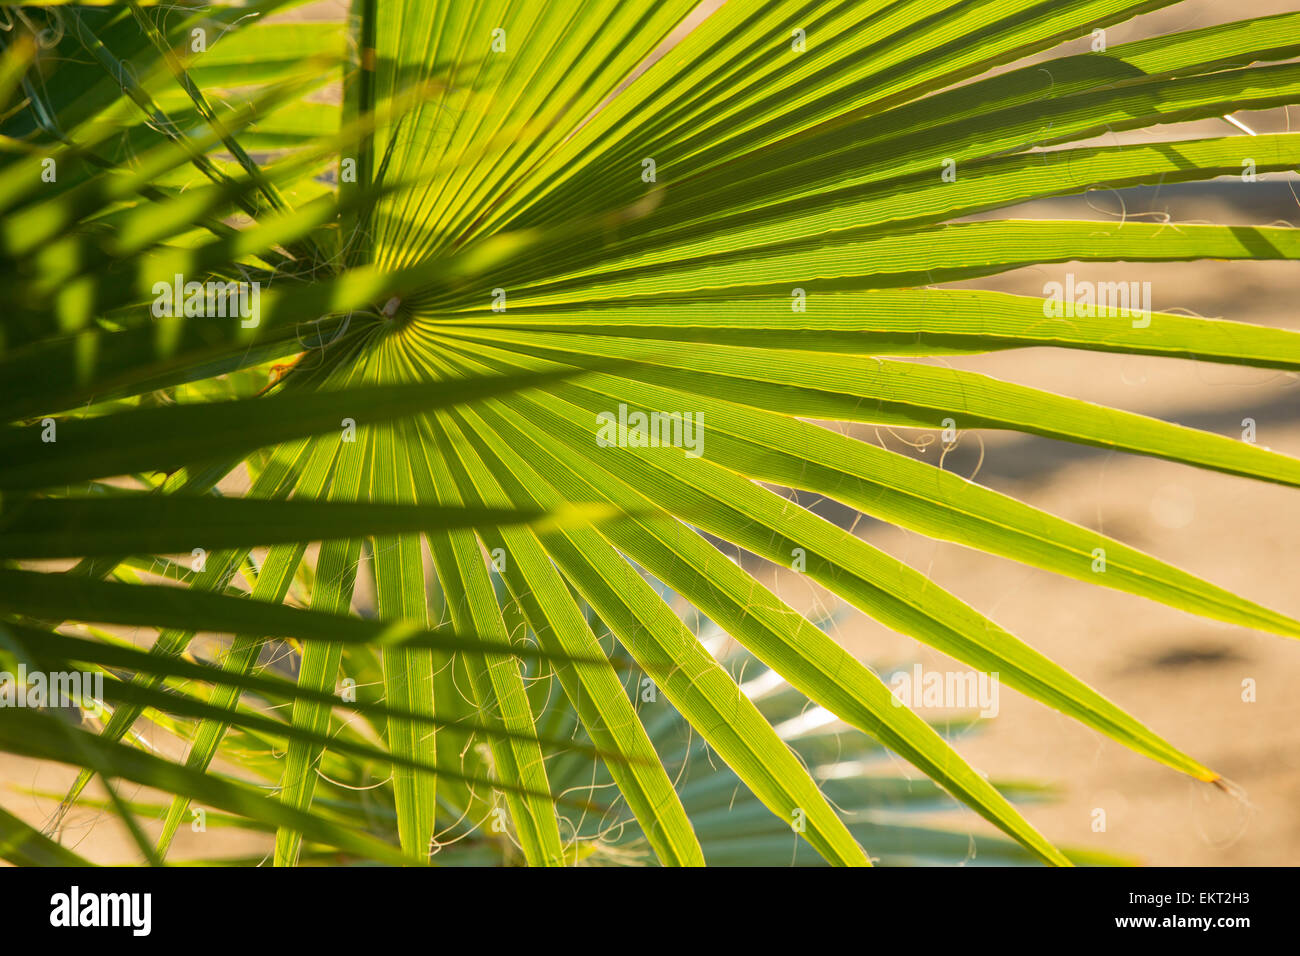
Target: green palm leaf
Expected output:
[478,226]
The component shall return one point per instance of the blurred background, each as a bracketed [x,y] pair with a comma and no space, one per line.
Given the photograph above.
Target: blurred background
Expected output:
[1181,675]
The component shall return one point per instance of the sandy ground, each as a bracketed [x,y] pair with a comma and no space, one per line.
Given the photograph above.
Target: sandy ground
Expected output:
[1180,674]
